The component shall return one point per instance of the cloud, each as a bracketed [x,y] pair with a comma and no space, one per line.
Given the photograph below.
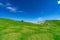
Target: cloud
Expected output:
[8,4]
[20,11]
[58,2]
[40,19]
[1,4]
[5,4]
[11,9]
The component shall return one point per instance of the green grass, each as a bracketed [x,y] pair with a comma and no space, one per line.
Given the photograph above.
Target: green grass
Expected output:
[17,30]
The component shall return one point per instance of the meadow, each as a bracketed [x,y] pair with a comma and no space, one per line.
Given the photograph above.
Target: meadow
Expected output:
[18,30]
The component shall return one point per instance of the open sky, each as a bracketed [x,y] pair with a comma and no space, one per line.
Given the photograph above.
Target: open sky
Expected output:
[31,10]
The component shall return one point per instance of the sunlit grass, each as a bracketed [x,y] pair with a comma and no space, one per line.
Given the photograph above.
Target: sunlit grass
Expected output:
[17,30]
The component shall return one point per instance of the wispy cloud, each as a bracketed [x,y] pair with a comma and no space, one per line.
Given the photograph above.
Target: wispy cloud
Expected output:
[58,2]
[1,4]
[9,7]
[8,4]
[40,19]
[20,11]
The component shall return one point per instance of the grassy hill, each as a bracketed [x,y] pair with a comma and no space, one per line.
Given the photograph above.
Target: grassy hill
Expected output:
[17,30]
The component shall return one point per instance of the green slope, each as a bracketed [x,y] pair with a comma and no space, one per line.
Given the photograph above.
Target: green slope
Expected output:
[17,30]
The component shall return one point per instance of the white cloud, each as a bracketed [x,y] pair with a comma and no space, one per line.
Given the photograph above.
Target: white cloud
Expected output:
[39,19]
[58,2]
[11,9]
[8,4]
[1,4]
[20,11]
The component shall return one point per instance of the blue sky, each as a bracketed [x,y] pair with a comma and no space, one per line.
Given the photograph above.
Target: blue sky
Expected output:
[30,10]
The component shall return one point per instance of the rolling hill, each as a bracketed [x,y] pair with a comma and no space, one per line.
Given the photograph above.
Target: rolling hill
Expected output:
[18,30]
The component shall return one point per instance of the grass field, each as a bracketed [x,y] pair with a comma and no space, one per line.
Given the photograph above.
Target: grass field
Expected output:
[17,30]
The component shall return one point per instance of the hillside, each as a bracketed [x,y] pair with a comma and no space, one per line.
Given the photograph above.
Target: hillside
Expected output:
[17,30]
